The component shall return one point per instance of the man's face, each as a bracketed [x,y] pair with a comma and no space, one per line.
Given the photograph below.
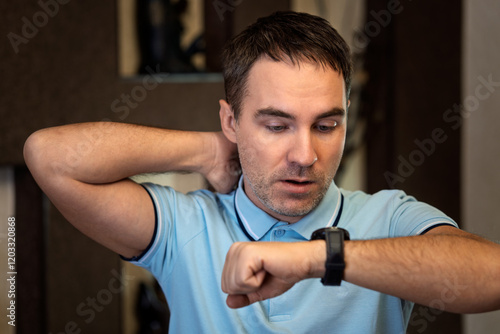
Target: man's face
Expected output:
[290,135]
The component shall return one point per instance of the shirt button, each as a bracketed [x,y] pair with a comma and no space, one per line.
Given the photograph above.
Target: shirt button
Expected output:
[279,233]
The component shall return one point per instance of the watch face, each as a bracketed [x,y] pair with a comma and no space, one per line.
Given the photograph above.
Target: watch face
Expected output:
[320,233]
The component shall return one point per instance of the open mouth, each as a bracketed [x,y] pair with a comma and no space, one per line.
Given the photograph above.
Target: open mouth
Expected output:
[298,182]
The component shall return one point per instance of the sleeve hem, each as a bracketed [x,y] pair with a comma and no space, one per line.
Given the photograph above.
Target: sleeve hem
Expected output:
[151,242]
[428,228]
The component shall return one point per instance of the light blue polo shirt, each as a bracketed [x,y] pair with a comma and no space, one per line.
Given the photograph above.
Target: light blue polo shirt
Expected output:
[194,232]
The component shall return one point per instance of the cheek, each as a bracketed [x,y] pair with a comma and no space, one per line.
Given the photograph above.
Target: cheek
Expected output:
[250,142]
[248,153]
[333,152]
[252,154]
[259,155]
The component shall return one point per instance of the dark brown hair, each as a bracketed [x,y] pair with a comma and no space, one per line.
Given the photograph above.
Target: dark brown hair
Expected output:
[283,36]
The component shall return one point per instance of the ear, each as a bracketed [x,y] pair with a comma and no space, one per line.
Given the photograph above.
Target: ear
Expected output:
[227,121]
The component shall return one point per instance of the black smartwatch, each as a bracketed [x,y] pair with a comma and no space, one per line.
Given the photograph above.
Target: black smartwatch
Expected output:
[335,265]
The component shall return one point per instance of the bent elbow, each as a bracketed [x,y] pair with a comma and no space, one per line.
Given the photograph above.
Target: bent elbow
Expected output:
[33,150]
[39,152]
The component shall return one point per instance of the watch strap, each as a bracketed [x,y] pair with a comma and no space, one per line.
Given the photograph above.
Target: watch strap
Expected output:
[334,266]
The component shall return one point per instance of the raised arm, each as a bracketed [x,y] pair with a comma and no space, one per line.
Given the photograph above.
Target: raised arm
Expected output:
[84,170]
[446,268]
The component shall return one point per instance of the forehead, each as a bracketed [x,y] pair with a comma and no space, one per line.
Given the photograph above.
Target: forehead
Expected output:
[294,88]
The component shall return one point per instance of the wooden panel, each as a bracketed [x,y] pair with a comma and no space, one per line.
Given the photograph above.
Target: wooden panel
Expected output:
[413,60]
[67,73]
[218,30]
[427,84]
[30,254]
[84,281]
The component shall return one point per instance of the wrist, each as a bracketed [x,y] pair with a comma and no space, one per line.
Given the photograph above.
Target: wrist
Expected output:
[182,151]
[318,258]
[200,152]
[206,156]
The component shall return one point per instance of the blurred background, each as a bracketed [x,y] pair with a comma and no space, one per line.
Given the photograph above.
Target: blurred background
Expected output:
[423,118]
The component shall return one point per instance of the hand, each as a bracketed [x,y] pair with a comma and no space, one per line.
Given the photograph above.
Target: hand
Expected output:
[225,170]
[255,271]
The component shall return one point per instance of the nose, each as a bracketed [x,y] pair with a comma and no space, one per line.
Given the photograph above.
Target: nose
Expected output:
[302,151]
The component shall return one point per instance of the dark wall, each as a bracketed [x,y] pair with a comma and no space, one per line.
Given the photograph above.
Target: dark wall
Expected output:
[413,61]
[414,69]
[67,72]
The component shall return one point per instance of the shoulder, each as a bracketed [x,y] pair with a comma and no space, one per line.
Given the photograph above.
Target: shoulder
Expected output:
[384,197]
[392,201]
[166,196]
[392,213]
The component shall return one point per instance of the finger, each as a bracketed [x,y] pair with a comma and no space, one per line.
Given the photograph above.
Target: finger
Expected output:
[234,284]
[254,282]
[271,288]
[242,300]
[237,301]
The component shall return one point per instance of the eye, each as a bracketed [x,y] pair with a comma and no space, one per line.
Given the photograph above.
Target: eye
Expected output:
[276,128]
[325,128]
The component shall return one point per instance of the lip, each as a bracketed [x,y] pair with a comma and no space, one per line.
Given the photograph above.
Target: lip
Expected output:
[297,186]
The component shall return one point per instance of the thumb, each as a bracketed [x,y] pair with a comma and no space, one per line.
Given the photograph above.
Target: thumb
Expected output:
[237,301]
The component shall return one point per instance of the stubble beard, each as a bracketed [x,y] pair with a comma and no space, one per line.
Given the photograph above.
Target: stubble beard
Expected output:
[262,187]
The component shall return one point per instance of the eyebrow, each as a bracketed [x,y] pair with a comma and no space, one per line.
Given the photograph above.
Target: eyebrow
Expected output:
[270,111]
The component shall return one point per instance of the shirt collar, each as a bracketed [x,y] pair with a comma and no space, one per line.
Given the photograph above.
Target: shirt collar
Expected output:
[257,223]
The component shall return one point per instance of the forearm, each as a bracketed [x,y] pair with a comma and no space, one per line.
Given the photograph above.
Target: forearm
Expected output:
[107,152]
[454,271]
[83,169]
[457,273]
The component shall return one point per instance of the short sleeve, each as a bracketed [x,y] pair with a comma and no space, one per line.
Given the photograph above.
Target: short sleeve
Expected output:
[412,217]
[178,219]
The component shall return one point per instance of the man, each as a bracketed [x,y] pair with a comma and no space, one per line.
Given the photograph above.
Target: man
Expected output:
[287,83]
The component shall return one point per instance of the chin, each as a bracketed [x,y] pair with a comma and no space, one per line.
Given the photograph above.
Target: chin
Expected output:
[295,210]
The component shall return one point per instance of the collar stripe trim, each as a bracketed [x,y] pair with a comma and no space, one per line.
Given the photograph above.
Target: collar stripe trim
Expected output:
[336,222]
[338,210]
[251,235]
[243,223]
